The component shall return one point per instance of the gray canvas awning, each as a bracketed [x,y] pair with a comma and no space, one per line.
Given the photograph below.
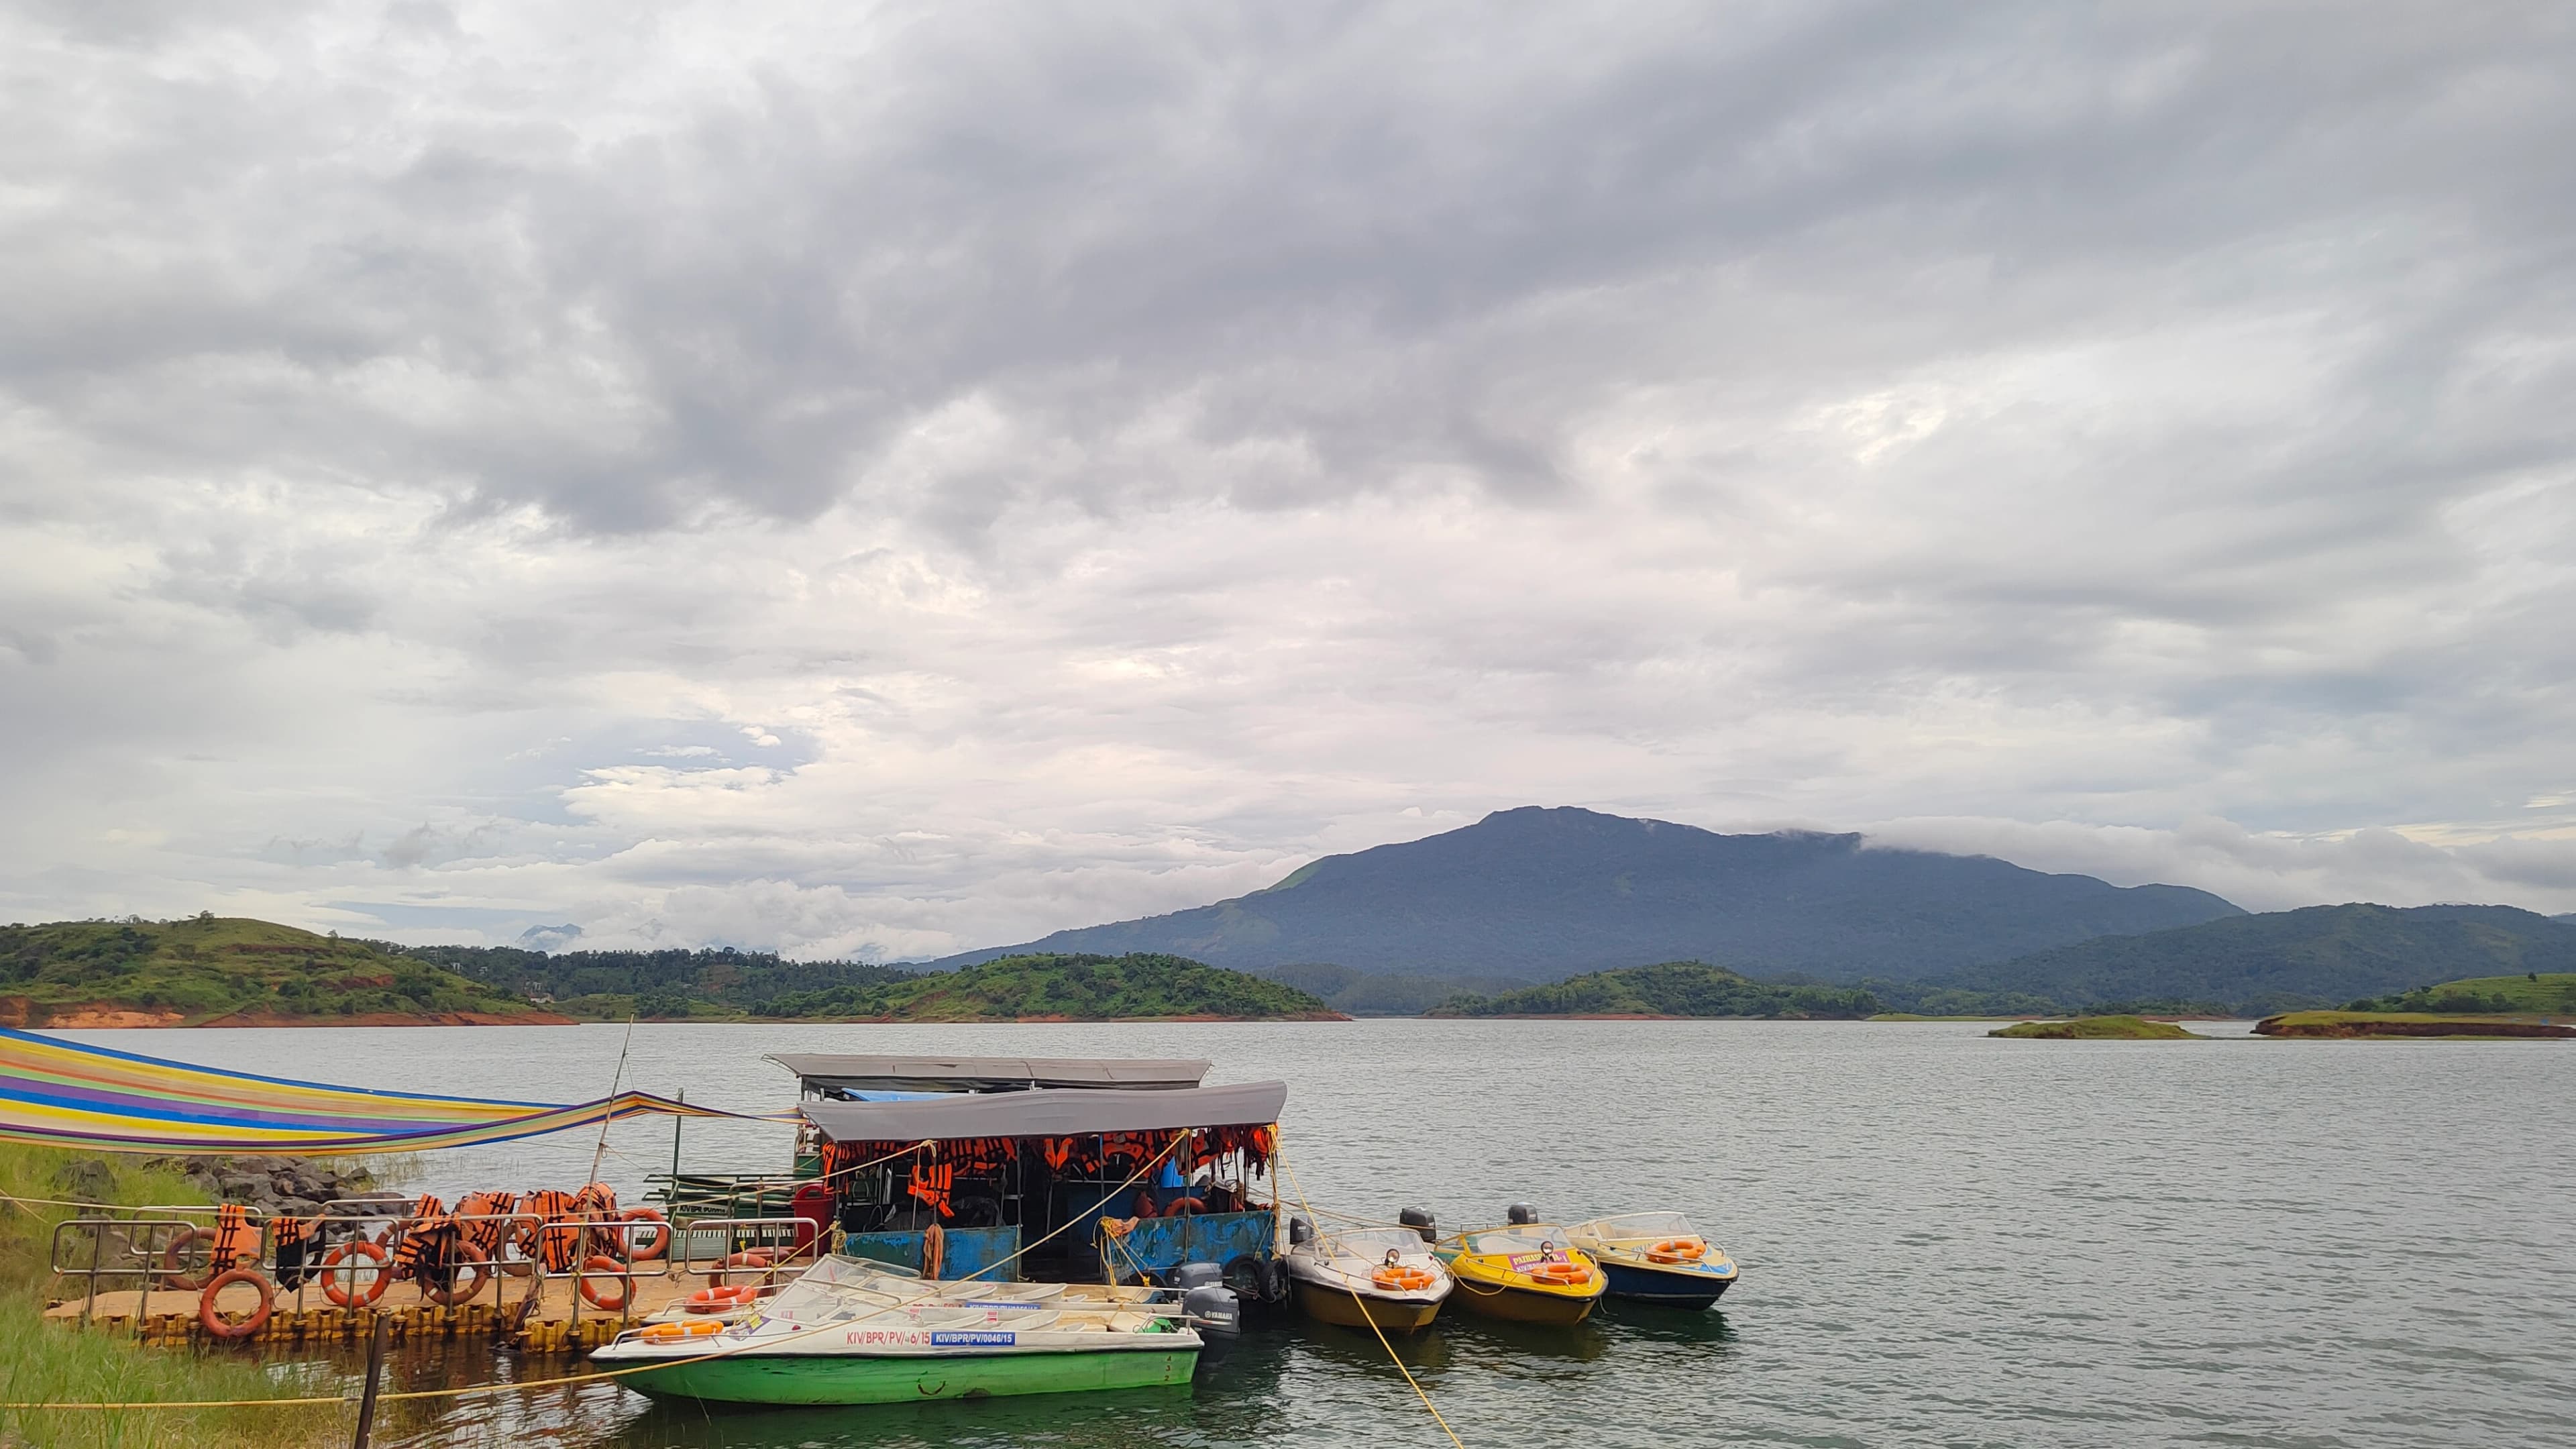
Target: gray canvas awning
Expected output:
[831,1072]
[1072,1112]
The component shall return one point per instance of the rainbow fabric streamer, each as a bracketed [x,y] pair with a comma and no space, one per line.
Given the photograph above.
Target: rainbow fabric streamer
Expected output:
[64,1094]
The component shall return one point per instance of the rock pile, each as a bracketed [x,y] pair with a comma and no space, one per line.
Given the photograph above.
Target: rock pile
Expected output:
[279,1186]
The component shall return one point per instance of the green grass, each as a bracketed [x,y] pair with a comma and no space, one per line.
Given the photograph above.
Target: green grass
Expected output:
[208,966]
[43,1362]
[2100,1028]
[2403,1024]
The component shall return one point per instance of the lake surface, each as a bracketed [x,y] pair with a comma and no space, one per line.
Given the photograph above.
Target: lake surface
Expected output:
[1945,1239]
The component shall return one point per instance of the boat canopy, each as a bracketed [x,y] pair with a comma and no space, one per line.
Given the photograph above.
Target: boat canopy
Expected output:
[1072,1112]
[830,1074]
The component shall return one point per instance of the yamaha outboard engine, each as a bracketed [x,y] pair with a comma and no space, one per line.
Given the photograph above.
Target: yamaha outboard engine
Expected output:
[1300,1231]
[1418,1219]
[1520,1215]
[1213,1308]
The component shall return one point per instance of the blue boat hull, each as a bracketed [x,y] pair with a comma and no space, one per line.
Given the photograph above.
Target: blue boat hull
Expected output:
[1673,1288]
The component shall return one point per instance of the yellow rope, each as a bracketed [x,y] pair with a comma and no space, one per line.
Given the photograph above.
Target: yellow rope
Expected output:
[486,1389]
[1281,1157]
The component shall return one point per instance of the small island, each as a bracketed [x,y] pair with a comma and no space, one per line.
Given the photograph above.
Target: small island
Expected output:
[2099,1028]
[2348,1024]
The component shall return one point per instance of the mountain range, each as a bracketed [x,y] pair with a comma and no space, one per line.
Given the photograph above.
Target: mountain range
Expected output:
[2260,964]
[1538,894]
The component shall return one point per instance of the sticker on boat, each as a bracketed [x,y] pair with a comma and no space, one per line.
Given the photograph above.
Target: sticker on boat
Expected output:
[972,1338]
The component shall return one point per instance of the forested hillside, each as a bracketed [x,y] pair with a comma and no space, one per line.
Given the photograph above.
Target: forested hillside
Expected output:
[209,968]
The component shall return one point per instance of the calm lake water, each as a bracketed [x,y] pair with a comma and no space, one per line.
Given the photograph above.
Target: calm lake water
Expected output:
[1945,1239]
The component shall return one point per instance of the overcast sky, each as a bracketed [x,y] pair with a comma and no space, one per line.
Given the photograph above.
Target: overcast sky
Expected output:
[883,480]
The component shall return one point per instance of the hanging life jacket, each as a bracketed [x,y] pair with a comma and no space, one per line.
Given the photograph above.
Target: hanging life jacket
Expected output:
[933,1184]
[236,1241]
[290,1237]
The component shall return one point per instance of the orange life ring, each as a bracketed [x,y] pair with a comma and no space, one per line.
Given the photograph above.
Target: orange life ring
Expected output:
[660,1240]
[1678,1250]
[465,1278]
[721,1298]
[221,1327]
[343,1260]
[1177,1206]
[1562,1274]
[754,1261]
[598,1268]
[1396,1278]
[174,1261]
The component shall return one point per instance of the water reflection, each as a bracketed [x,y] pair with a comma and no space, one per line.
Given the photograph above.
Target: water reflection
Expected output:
[1628,1322]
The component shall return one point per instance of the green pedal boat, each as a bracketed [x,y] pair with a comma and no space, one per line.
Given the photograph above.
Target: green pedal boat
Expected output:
[849,1332]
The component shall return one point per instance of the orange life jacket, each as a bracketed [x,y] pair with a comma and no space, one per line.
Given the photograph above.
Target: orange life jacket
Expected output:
[932,1184]
[236,1241]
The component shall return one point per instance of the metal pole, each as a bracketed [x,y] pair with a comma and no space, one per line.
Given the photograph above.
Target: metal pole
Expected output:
[375,1372]
[98,1242]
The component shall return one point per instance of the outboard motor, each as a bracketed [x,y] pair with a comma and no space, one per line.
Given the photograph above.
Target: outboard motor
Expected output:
[1418,1219]
[1520,1214]
[1213,1308]
[1300,1231]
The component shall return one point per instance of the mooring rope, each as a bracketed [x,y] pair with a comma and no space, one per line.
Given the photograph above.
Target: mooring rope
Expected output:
[1280,1157]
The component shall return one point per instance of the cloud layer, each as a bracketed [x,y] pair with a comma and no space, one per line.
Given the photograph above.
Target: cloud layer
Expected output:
[897,479]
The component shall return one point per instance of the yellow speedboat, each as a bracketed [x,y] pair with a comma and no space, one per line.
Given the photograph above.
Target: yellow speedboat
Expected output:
[1527,1271]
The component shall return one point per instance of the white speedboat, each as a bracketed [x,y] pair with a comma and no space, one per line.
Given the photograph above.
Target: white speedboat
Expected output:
[1385,1276]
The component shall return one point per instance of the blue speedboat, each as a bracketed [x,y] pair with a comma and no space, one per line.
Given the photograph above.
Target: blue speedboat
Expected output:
[1656,1258]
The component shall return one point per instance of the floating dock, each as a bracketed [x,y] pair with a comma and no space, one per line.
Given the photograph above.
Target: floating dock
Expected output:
[545,1325]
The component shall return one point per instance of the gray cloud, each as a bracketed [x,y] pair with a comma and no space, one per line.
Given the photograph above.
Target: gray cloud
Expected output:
[1118,454]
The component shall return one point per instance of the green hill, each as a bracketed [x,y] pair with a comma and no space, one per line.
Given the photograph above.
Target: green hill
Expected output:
[1062,987]
[713,984]
[1672,988]
[2531,994]
[214,968]
[2283,961]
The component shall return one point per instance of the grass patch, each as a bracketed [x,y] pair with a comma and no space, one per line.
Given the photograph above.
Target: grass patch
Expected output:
[2100,1028]
[2406,1023]
[50,1363]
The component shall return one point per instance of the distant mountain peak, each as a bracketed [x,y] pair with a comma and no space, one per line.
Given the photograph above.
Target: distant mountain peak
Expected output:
[1543,892]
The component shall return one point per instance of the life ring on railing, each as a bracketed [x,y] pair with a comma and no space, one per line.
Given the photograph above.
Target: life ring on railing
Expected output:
[721,1299]
[1565,1275]
[665,1332]
[598,1268]
[1396,1278]
[344,1260]
[212,1319]
[657,1243]
[466,1277]
[754,1261]
[174,1261]
[1678,1250]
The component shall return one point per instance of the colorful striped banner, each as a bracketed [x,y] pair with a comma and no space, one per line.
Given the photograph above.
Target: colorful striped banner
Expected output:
[64,1094]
